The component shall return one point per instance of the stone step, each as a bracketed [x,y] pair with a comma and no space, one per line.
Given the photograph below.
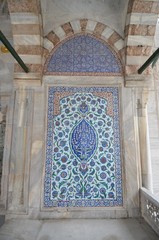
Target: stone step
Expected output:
[77,229]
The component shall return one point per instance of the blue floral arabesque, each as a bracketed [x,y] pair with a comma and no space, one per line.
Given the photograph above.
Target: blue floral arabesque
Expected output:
[83,140]
[83,54]
[83,165]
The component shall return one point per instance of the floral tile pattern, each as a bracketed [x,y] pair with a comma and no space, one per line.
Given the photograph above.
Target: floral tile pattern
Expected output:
[83,159]
[83,54]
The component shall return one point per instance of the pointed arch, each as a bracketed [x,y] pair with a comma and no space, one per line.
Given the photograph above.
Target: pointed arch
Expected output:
[84,26]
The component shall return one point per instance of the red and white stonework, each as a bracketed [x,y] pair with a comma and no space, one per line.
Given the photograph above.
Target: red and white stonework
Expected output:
[27,36]
[139,35]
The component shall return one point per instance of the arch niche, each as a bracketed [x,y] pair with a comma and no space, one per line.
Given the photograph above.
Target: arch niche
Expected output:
[83,148]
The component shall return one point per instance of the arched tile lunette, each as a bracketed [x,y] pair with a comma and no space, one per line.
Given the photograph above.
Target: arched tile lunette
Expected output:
[97,29]
[83,54]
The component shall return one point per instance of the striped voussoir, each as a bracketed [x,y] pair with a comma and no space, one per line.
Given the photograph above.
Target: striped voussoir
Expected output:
[80,26]
[27,28]
[139,34]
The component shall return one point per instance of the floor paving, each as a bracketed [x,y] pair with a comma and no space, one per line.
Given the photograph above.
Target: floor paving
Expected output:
[77,229]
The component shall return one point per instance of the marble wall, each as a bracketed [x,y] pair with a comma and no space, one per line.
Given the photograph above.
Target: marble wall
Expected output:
[25,152]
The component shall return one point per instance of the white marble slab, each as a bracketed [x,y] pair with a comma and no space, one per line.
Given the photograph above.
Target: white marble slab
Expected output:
[107,32]
[60,33]
[76,26]
[140,40]
[31,59]
[136,60]
[24,18]
[48,45]
[119,44]
[27,39]
[91,25]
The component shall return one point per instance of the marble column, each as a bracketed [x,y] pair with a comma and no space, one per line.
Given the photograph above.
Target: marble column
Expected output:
[20,150]
[130,153]
[146,170]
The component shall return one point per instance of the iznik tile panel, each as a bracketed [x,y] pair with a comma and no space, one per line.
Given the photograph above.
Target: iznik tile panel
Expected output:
[83,53]
[83,159]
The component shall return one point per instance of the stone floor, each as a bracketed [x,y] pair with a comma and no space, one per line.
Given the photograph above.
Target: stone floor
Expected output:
[75,229]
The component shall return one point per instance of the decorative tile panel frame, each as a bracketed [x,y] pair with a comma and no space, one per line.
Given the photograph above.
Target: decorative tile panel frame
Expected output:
[83,156]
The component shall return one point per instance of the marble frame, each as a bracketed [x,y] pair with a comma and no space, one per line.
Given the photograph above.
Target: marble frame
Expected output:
[73,81]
